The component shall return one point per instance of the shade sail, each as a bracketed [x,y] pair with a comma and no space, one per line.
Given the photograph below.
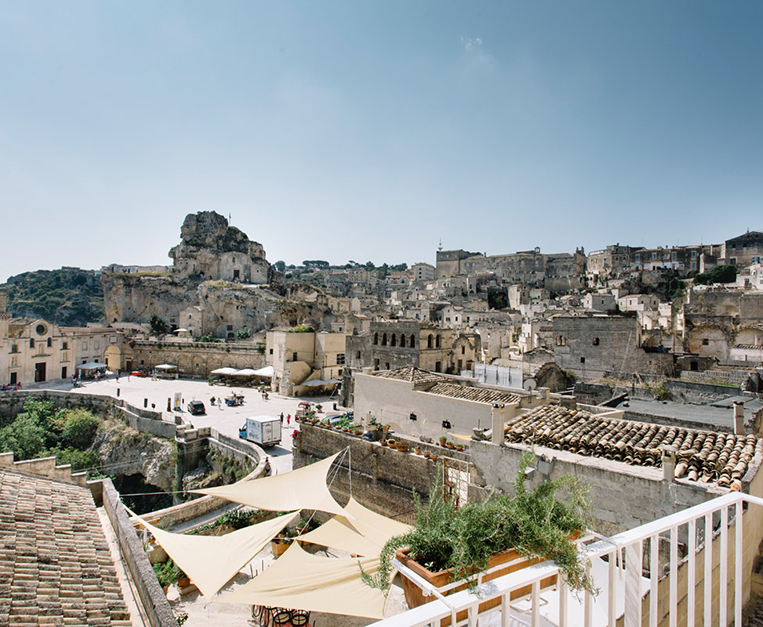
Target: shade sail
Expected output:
[166,367]
[317,382]
[91,365]
[304,488]
[267,371]
[301,581]
[365,535]
[224,371]
[211,561]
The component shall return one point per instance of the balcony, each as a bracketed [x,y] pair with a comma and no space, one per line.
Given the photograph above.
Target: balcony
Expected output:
[643,576]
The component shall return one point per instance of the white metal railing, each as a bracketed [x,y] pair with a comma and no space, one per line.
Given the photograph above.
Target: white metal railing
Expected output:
[623,586]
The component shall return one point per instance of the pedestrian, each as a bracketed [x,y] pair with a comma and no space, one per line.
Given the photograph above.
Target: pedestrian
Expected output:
[288,419]
[281,417]
[117,375]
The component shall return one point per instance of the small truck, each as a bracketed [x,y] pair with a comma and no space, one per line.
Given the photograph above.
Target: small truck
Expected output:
[262,430]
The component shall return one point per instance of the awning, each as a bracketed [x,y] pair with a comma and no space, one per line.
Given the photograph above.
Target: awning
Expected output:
[211,561]
[304,488]
[301,581]
[165,367]
[224,371]
[267,371]
[246,372]
[317,382]
[91,365]
[365,535]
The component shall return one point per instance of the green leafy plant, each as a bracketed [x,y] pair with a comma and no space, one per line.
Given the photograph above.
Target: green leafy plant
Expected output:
[534,522]
[166,572]
[244,333]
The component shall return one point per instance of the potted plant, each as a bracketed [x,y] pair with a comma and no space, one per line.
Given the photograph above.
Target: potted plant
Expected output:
[449,445]
[183,580]
[454,545]
[459,447]
[403,446]
[391,443]
[166,573]
[319,408]
[443,440]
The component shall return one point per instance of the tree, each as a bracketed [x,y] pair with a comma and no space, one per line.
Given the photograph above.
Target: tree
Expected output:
[244,333]
[717,274]
[280,266]
[158,325]
[80,429]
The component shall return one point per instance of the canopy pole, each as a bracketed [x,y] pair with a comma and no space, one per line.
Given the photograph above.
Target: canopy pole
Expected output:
[349,467]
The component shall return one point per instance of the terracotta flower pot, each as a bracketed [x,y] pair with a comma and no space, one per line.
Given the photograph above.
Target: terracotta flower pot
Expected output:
[414,596]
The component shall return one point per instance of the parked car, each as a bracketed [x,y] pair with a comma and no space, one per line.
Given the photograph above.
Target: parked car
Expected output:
[139,373]
[196,408]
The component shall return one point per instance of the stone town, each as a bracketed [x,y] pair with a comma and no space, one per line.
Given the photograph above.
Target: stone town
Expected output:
[636,370]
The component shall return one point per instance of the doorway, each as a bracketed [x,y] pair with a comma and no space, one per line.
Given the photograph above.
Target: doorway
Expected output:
[39,372]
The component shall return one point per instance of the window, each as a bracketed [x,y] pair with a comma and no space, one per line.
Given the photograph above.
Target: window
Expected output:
[582,360]
[14,348]
[596,341]
[31,343]
[295,357]
[95,346]
[402,340]
[384,339]
[430,341]
[437,341]
[50,342]
[463,350]
[65,346]
[271,351]
[705,342]
[84,346]
[376,364]
[393,340]
[386,366]
[438,366]
[413,341]
[376,338]
[340,359]
[230,327]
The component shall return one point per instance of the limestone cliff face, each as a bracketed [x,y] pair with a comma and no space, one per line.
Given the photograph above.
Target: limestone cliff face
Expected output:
[124,451]
[134,298]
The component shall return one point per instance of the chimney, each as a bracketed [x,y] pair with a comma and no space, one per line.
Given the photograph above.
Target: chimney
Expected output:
[668,463]
[500,414]
[738,418]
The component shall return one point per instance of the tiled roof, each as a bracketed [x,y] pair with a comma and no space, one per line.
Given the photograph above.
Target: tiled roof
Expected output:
[478,395]
[412,374]
[55,564]
[721,458]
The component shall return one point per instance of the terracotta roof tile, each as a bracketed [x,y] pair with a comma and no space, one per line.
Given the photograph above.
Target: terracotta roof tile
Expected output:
[707,456]
[54,560]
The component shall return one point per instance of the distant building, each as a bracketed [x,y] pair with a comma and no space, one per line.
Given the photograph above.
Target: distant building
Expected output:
[423,272]
[744,249]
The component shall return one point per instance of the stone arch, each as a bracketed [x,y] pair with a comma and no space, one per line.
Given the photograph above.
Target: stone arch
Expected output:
[437,341]
[430,341]
[384,339]
[113,357]
[413,341]
[402,340]
[185,364]
[376,338]
[393,340]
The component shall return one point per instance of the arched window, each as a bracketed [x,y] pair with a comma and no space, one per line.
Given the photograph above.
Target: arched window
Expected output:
[413,341]
[393,340]
[402,340]
[376,338]
[437,341]
[50,342]
[384,339]
[430,341]
[31,343]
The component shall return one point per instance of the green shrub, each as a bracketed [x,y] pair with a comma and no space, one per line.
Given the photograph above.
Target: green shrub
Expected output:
[534,522]
[80,429]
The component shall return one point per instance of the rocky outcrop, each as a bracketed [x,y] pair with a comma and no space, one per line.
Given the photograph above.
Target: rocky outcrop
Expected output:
[124,451]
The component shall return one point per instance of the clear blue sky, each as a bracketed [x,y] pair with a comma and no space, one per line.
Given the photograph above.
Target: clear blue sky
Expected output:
[370,130]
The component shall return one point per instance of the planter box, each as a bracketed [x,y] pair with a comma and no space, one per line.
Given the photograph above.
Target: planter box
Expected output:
[279,548]
[510,559]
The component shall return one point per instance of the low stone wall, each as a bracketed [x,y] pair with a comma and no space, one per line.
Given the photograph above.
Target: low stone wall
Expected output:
[382,479]
[733,378]
[151,595]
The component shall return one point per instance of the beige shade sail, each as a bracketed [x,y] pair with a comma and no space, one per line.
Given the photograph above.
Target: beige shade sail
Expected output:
[304,488]
[365,535]
[301,581]
[211,561]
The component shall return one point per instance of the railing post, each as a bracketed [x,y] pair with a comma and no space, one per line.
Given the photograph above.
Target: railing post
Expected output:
[738,561]
[633,557]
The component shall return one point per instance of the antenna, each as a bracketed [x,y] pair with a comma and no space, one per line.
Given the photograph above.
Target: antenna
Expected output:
[229,218]
[439,248]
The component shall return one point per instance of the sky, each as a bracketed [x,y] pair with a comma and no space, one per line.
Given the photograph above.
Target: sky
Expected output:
[375,130]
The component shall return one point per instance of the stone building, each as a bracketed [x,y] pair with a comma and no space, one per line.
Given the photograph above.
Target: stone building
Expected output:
[298,357]
[743,249]
[423,272]
[595,346]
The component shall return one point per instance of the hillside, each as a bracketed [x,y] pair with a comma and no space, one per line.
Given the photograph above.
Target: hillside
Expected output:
[68,296]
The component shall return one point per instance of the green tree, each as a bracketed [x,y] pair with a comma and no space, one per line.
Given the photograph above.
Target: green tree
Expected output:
[25,437]
[158,325]
[280,266]
[80,429]
[244,333]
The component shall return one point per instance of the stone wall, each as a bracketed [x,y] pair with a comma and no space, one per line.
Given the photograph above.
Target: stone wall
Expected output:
[622,496]
[383,479]
[152,597]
